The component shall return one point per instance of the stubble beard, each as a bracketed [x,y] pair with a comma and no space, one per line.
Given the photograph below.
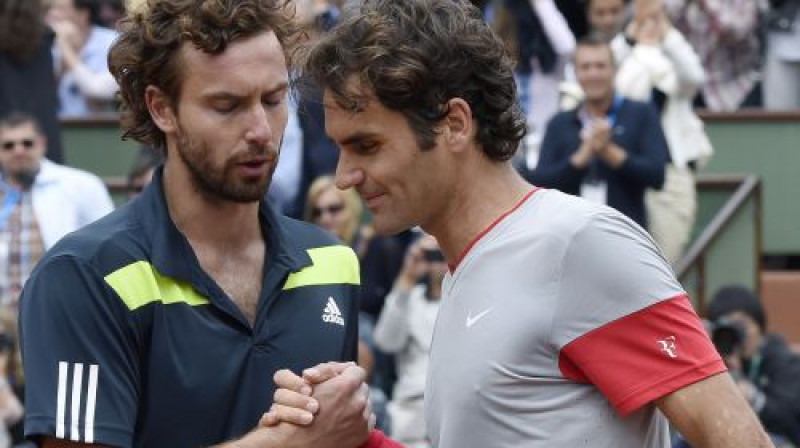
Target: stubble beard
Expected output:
[220,183]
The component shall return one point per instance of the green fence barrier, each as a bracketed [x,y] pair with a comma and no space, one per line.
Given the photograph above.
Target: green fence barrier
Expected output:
[767,145]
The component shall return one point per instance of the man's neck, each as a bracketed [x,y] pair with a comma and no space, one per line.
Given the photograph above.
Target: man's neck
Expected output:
[22,181]
[491,191]
[600,107]
[209,221]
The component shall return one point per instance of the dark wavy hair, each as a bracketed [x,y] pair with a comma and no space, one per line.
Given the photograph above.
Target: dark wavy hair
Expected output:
[147,51]
[22,28]
[414,56]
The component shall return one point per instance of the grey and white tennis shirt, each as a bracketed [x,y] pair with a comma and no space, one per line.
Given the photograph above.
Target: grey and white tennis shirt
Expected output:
[558,328]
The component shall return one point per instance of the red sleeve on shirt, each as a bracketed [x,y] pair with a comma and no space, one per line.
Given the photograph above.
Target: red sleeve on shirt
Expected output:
[643,356]
[378,440]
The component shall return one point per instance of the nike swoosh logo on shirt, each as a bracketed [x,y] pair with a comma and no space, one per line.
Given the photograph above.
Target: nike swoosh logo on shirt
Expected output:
[471,320]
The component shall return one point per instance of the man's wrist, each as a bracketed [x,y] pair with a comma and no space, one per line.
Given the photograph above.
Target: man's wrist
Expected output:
[582,157]
[258,438]
[614,155]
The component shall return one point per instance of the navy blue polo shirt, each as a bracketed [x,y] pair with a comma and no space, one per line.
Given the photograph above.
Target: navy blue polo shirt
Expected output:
[127,342]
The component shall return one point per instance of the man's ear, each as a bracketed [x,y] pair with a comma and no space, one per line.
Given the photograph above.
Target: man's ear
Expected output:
[161,110]
[458,126]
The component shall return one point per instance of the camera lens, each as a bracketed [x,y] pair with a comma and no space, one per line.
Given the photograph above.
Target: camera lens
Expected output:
[727,337]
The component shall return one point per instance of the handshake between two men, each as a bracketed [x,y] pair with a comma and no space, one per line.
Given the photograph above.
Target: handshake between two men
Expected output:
[334,397]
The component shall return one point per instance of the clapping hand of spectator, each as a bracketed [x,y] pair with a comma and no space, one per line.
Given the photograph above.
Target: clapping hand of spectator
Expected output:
[599,135]
[599,141]
[592,143]
[650,23]
[68,40]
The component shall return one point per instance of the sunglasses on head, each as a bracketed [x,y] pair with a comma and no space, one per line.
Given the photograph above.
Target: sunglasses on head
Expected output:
[334,209]
[26,143]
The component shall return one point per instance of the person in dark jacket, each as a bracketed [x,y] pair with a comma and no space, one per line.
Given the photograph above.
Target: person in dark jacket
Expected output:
[610,149]
[763,365]
[26,69]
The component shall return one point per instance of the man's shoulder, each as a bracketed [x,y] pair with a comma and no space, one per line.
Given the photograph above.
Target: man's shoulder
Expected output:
[64,173]
[639,109]
[560,211]
[112,240]
[569,218]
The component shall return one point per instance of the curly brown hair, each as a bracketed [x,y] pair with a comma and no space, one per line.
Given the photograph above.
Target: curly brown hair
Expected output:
[416,55]
[147,51]
[22,28]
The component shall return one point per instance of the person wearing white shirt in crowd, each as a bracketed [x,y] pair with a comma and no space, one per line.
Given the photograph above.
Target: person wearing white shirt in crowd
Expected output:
[40,202]
[85,86]
[541,40]
[657,64]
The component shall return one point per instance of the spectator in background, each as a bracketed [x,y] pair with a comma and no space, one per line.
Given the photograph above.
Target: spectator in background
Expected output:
[338,212]
[657,65]
[606,17]
[26,68]
[305,133]
[575,14]
[41,202]
[537,34]
[724,33]
[405,329]
[284,190]
[111,12]
[85,86]
[762,364]
[608,150]
[782,68]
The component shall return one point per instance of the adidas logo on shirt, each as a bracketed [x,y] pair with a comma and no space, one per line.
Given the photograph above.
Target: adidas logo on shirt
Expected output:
[331,313]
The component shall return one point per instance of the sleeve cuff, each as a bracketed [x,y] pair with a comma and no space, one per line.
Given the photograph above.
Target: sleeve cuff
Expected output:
[45,427]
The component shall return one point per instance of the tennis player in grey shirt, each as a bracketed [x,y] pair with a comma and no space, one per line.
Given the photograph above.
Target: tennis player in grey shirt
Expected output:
[561,324]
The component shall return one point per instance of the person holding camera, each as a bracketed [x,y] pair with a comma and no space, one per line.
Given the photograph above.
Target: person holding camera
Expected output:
[405,328]
[762,364]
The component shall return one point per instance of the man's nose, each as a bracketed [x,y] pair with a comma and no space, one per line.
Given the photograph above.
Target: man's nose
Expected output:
[348,174]
[259,130]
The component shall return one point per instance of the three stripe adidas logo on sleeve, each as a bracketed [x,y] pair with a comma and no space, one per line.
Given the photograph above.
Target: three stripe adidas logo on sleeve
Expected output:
[82,401]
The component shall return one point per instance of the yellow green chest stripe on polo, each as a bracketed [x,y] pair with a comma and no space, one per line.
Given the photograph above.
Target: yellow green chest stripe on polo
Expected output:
[139,284]
[330,265]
